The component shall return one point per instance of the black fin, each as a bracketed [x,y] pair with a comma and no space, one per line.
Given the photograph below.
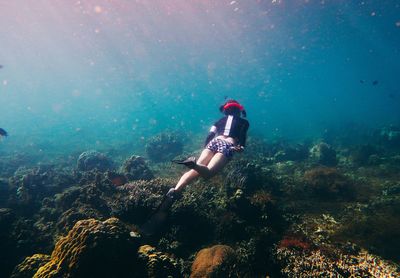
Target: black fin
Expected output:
[188,162]
[158,218]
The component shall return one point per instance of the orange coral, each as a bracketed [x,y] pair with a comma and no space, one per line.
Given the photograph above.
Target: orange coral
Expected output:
[216,261]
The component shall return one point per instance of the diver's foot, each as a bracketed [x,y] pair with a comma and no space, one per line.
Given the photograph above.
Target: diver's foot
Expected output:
[189,162]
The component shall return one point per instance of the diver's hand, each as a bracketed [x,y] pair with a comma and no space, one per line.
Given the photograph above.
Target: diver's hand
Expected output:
[238,148]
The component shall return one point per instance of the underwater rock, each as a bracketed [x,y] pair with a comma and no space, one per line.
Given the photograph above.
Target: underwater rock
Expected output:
[164,147]
[324,154]
[135,168]
[216,261]
[158,264]
[91,160]
[94,249]
[29,266]
[328,183]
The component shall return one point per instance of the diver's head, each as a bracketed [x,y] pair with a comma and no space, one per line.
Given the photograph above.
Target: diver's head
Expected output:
[232,107]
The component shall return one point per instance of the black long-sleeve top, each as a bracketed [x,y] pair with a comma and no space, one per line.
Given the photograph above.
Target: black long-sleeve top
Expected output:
[232,126]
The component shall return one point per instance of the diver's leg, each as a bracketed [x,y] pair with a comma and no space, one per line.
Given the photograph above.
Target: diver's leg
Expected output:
[189,176]
[217,162]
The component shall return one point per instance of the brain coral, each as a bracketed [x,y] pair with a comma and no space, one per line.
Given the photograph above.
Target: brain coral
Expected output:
[216,261]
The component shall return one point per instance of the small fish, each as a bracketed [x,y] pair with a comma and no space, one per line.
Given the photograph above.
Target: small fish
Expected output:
[1,66]
[392,96]
[375,82]
[3,132]
[362,81]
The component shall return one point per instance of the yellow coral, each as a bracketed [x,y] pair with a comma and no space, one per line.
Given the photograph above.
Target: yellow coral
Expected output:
[91,247]
[158,264]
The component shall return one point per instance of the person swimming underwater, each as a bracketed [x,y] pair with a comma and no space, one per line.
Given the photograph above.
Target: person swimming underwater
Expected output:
[226,136]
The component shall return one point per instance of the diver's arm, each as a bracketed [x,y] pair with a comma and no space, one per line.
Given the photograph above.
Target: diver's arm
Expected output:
[243,135]
[211,135]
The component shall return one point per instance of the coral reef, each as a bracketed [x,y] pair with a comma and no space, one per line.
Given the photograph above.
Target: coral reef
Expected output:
[297,152]
[91,160]
[248,177]
[362,155]
[376,225]
[312,250]
[164,147]
[328,183]
[3,192]
[298,263]
[135,168]
[158,264]
[29,266]
[324,154]
[215,261]
[390,136]
[135,201]
[30,186]
[94,249]
[279,208]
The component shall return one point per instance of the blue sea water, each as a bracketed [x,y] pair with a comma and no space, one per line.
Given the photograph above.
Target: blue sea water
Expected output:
[90,73]
[109,75]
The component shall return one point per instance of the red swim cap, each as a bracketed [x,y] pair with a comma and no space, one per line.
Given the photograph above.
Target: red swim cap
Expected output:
[233,104]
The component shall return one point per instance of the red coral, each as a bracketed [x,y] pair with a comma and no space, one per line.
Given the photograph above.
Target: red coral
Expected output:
[294,242]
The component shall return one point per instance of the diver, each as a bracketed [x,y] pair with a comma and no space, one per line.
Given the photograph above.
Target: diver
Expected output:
[226,136]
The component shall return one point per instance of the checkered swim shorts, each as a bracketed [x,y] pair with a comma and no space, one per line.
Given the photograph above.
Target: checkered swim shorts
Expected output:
[221,146]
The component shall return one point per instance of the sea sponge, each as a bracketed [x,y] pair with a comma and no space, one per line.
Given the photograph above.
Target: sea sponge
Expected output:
[216,261]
